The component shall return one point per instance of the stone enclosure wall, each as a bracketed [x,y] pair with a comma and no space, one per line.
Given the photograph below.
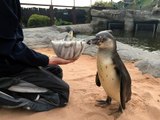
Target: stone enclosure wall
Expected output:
[101,17]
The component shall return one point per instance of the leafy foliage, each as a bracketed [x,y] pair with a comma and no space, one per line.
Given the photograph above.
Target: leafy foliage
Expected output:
[63,14]
[62,22]
[136,4]
[103,4]
[36,20]
[27,12]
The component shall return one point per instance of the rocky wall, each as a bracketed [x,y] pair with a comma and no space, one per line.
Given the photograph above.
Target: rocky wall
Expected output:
[100,18]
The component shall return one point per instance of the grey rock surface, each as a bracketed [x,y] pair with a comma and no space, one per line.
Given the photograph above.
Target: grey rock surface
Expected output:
[149,66]
[41,37]
[147,62]
[100,17]
[81,28]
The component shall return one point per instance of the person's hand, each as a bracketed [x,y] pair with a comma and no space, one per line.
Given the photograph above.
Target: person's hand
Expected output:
[59,61]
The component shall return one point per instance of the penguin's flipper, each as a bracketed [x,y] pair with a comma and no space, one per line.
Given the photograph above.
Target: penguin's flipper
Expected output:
[123,75]
[97,80]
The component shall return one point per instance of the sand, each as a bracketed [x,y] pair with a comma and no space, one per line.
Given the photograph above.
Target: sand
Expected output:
[80,75]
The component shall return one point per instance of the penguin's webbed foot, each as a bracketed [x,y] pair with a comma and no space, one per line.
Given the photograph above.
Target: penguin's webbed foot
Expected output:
[120,109]
[117,111]
[104,103]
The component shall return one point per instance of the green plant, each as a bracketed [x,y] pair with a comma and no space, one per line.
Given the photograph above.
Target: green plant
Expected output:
[140,4]
[102,4]
[36,20]
[62,22]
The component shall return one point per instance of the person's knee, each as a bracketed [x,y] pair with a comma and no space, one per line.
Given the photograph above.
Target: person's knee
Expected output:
[56,70]
[64,96]
[59,71]
[67,88]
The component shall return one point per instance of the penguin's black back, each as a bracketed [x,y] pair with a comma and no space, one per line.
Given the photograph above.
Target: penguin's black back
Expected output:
[125,79]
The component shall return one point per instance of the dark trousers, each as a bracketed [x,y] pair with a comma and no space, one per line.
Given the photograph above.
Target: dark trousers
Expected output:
[49,77]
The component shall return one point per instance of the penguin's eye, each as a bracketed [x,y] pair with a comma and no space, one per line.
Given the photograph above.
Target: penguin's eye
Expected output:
[104,39]
[101,40]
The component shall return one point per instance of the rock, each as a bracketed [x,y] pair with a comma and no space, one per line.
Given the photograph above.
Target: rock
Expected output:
[156,10]
[41,37]
[128,22]
[97,13]
[90,50]
[98,24]
[81,28]
[149,66]
[158,29]
[108,14]
[100,18]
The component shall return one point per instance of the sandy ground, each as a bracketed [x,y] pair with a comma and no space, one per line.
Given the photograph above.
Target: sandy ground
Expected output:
[80,75]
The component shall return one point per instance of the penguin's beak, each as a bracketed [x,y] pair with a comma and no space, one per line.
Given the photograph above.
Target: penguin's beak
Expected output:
[93,41]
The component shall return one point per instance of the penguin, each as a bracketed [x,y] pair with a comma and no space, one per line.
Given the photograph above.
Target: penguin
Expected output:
[112,74]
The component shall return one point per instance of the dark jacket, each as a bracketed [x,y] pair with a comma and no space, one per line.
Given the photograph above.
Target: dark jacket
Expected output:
[14,54]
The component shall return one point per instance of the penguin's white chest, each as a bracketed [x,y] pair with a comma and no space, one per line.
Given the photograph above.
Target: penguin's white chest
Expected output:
[108,77]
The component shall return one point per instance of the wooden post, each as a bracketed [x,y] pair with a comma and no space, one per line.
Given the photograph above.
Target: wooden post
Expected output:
[74,21]
[91,3]
[74,13]
[51,13]
[51,2]
[74,3]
